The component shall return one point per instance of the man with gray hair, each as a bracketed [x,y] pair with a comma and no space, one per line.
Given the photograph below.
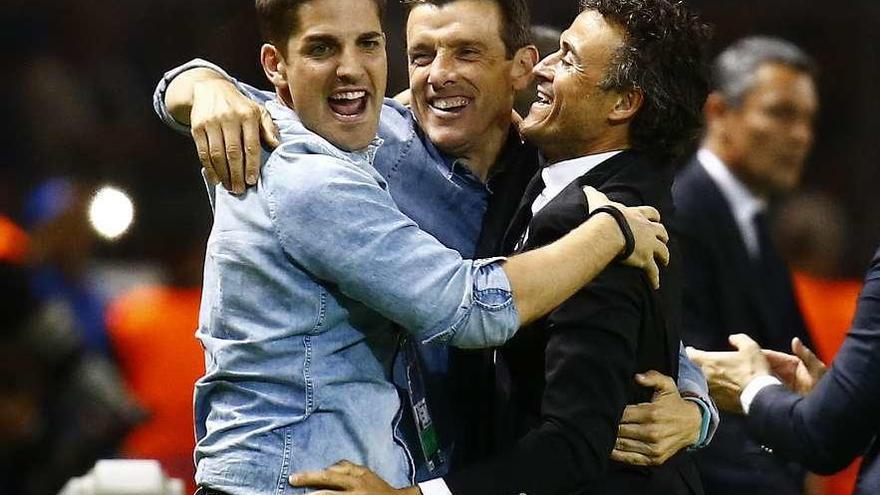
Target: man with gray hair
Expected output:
[759,130]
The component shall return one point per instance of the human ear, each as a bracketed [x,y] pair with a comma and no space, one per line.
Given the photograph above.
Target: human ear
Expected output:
[628,104]
[524,61]
[274,66]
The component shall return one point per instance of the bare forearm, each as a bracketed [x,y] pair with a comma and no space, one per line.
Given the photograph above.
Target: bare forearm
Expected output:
[179,96]
[544,278]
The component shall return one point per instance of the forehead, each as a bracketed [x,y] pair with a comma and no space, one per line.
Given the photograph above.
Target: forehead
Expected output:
[780,82]
[592,37]
[338,18]
[458,21]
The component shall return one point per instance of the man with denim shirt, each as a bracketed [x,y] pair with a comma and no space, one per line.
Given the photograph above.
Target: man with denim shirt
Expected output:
[443,181]
[307,274]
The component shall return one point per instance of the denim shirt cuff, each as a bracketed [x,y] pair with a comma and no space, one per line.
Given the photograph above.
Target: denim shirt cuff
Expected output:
[162,88]
[488,316]
[707,429]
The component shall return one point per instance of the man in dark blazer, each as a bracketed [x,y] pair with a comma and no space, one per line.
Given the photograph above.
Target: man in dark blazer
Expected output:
[834,417]
[759,129]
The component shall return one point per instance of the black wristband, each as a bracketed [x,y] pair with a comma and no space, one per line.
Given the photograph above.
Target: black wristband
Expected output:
[628,238]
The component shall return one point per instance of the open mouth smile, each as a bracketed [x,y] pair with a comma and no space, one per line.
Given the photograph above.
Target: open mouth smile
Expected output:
[449,106]
[349,104]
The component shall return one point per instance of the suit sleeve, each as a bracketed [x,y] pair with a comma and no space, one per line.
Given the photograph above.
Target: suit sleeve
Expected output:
[590,360]
[835,423]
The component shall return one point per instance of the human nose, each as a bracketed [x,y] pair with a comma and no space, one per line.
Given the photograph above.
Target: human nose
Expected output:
[350,67]
[442,72]
[544,69]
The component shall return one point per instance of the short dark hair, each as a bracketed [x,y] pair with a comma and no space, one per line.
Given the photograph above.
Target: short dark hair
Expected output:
[279,19]
[515,21]
[665,55]
[733,72]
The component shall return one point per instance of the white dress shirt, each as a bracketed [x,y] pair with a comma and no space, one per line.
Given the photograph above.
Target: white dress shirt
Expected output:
[556,178]
[743,203]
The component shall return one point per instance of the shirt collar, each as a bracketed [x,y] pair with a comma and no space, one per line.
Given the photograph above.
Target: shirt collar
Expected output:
[743,202]
[559,175]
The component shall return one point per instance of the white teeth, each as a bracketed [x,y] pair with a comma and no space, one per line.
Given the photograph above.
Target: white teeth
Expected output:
[349,95]
[447,103]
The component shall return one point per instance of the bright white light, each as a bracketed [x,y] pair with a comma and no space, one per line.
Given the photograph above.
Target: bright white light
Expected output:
[111,212]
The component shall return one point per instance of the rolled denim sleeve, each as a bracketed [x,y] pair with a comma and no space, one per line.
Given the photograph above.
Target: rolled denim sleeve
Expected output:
[161,109]
[335,220]
[692,386]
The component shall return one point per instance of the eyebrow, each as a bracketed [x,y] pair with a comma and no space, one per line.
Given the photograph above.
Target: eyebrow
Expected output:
[454,44]
[333,39]
[370,35]
[316,38]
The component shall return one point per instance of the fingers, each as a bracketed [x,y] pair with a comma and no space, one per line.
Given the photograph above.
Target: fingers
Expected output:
[327,478]
[743,342]
[657,380]
[634,446]
[631,458]
[812,362]
[595,198]
[697,356]
[217,154]
[234,156]
[200,138]
[635,414]
[662,233]
[803,352]
[662,254]
[650,213]
[268,129]
[250,133]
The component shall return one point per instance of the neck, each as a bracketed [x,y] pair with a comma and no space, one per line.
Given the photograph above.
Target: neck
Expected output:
[562,153]
[482,157]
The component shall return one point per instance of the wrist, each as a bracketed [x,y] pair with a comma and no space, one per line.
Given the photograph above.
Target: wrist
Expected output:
[624,237]
[698,422]
[751,389]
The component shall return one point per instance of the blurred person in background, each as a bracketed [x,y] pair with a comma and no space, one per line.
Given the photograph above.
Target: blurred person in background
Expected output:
[61,406]
[811,231]
[792,404]
[151,330]
[81,410]
[759,130]
[61,251]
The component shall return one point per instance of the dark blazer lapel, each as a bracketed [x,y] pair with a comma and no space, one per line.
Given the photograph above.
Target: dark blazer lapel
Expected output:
[523,215]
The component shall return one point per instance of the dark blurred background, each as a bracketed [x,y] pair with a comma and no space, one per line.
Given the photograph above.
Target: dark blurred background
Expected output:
[77,89]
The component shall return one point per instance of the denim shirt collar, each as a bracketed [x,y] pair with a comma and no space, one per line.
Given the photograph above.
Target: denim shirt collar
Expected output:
[291,126]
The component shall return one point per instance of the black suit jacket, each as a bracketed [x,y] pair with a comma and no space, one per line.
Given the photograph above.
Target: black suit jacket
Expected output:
[840,418]
[725,293]
[572,372]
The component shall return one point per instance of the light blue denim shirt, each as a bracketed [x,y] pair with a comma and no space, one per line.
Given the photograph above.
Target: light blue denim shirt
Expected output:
[305,276]
[444,199]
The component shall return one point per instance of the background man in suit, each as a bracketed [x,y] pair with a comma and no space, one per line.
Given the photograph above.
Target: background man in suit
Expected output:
[822,420]
[616,104]
[759,129]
